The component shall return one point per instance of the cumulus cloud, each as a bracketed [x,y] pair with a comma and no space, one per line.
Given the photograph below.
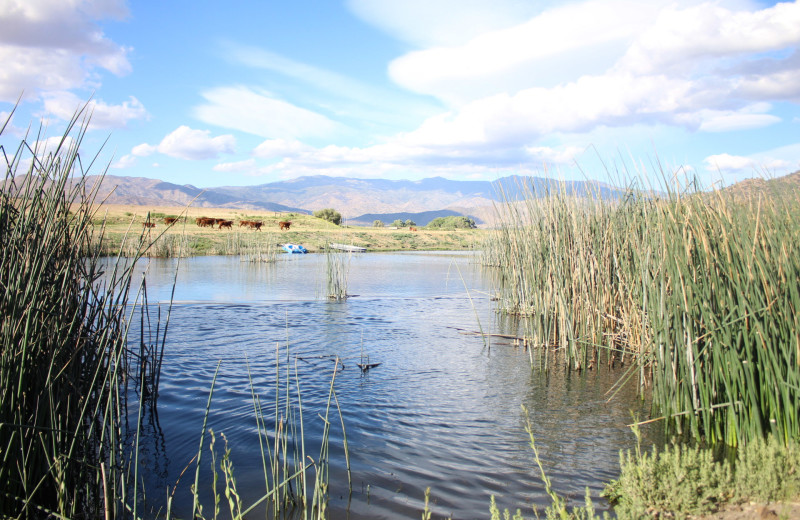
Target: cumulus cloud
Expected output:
[189,144]
[143,150]
[61,38]
[103,115]
[704,67]
[727,163]
[126,161]
[519,56]
[682,39]
[259,113]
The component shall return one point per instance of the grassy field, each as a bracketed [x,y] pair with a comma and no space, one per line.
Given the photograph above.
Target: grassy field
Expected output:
[124,228]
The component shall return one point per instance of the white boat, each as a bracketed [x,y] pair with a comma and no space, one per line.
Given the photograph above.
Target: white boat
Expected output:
[345,247]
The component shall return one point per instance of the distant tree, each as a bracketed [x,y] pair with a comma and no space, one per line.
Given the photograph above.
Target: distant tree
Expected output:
[398,223]
[409,223]
[378,223]
[329,214]
[452,222]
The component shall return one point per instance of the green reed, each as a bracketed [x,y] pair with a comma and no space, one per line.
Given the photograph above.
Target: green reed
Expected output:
[337,268]
[699,290]
[65,365]
[287,467]
[260,249]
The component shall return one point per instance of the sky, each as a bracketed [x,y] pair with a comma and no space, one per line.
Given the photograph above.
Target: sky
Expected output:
[251,92]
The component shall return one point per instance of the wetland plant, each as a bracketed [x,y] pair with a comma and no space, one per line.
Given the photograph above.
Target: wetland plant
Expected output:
[67,375]
[337,267]
[295,485]
[695,291]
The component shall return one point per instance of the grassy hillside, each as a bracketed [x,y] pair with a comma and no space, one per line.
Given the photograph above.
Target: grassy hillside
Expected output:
[125,229]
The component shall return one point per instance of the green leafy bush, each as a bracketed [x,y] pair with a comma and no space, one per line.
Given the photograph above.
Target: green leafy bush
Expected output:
[329,214]
[452,222]
[684,480]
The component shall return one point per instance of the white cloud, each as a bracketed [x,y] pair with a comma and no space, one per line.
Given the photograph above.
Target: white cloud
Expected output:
[443,22]
[52,145]
[346,98]
[275,148]
[547,155]
[259,113]
[54,45]
[143,150]
[236,167]
[704,67]
[189,144]
[727,163]
[512,58]
[682,39]
[126,161]
[65,105]
[726,121]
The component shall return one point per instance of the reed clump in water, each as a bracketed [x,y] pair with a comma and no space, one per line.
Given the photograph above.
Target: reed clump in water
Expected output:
[295,485]
[64,364]
[699,290]
[263,249]
[337,268]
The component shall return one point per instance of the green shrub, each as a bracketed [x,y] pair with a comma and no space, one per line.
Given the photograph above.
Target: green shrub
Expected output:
[378,224]
[329,214]
[684,480]
[452,222]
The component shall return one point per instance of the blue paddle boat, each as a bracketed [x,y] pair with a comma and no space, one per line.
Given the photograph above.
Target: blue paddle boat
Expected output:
[294,248]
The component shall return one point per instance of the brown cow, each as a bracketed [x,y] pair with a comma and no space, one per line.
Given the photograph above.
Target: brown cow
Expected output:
[170,220]
[225,223]
[284,225]
[243,223]
[411,228]
[205,221]
[148,224]
[255,224]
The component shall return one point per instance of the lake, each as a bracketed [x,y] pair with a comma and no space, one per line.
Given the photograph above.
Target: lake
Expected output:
[444,409]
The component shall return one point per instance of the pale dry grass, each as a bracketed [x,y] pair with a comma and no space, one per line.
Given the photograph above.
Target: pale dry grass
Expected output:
[307,230]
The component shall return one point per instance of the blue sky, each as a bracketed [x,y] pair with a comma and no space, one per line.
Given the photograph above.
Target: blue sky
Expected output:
[243,93]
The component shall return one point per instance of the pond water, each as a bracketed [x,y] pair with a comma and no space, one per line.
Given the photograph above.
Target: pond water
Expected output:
[443,410]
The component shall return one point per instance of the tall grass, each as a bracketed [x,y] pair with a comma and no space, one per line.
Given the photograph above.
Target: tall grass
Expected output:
[64,363]
[699,290]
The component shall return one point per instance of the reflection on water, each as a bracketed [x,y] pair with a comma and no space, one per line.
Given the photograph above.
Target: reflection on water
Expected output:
[443,410]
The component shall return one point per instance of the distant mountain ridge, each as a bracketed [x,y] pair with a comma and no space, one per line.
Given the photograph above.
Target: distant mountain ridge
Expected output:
[362,201]
[358,200]
[422,218]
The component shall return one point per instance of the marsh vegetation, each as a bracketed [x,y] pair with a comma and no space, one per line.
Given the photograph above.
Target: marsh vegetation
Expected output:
[78,391]
[695,292]
[690,296]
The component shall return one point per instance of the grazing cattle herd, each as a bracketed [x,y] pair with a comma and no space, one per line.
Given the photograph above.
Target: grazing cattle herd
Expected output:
[221,223]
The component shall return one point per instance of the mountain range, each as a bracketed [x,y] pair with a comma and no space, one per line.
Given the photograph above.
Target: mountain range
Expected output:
[360,201]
